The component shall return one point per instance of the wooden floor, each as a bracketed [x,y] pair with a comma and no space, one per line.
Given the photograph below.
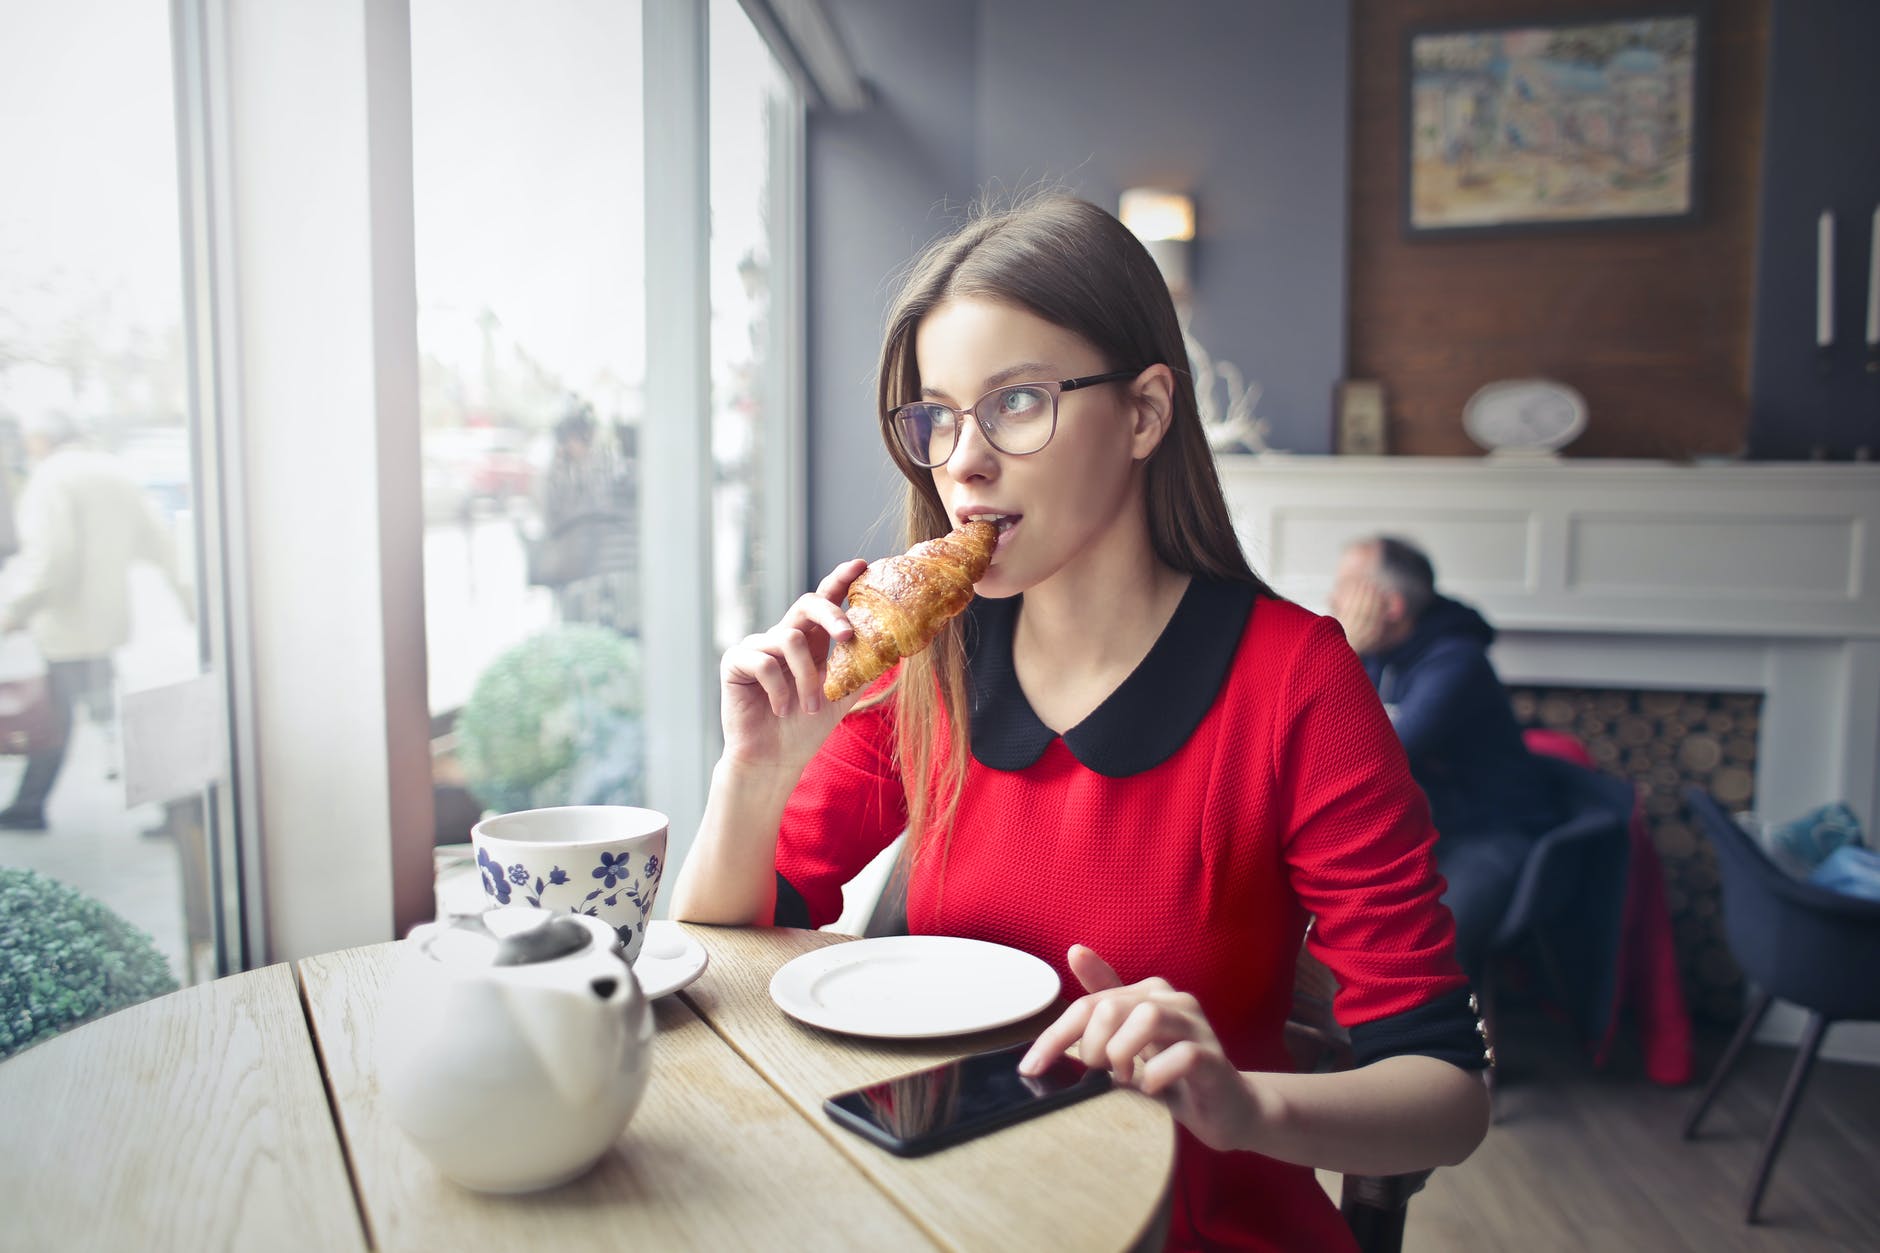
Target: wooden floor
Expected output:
[1580,1159]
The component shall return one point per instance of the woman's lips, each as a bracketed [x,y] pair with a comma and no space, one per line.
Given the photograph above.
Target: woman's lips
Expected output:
[1006,531]
[1006,522]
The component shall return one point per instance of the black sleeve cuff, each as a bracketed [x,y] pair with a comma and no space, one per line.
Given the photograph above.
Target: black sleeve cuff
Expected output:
[1447,1029]
[792,909]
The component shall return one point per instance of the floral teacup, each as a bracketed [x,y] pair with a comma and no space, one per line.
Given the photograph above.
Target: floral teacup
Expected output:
[604,861]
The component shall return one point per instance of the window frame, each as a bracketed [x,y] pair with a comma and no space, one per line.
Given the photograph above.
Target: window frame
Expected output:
[385,855]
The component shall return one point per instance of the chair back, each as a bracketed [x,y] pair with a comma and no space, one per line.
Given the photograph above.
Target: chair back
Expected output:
[1375,1206]
[1567,864]
[1797,940]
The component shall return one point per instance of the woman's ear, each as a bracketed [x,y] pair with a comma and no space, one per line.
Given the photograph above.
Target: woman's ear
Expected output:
[1152,398]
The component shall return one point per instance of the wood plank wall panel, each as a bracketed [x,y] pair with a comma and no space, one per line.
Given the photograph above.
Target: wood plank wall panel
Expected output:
[1652,325]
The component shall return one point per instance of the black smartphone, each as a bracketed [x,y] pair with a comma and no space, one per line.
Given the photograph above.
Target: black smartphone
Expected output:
[942,1105]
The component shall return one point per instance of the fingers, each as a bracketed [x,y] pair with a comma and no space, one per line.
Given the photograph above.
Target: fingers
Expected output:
[785,663]
[1060,1035]
[749,664]
[787,660]
[803,666]
[1359,605]
[822,608]
[1093,1021]
[1146,1028]
[812,612]
[1169,1066]
[835,584]
[1091,970]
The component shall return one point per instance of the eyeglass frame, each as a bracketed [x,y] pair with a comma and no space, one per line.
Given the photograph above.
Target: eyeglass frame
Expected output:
[1053,388]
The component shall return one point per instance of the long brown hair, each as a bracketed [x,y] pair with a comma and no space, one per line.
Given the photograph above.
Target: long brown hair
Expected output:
[1075,266]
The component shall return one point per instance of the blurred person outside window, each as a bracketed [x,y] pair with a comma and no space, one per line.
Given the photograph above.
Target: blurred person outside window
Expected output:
[1427,655]
[590,553]
[83,523]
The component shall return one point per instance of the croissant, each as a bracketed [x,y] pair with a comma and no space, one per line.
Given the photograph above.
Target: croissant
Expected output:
[899,604]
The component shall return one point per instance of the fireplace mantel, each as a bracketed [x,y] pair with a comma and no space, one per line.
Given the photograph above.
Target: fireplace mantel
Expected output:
[1774,550]
[1630,574]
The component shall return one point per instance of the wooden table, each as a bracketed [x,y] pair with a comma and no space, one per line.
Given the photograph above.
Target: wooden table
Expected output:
[194,1121]
[246,1114]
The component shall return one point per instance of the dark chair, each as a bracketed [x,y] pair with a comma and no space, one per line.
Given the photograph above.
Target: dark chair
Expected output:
[1374,1206]
[1573,881]
[1817,948]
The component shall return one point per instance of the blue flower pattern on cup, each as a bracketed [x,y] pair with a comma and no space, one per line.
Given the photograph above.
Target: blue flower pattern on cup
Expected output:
[556,876]
[615,871]
[495,884]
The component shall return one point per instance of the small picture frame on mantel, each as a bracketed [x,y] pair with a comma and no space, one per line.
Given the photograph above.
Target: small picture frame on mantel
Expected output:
[1361,418]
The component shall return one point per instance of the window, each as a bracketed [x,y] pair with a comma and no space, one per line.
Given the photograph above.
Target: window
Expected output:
[528,187]
[263,404]
[754,142]
[97,442]
[531,175]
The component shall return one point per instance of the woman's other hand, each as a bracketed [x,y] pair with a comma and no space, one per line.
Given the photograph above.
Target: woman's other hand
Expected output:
[1155,1039]
[771,701]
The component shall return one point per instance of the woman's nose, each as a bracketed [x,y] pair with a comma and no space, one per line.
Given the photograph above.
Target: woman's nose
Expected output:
[973,456]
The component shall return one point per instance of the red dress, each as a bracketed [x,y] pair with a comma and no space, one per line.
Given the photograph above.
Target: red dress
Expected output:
[1243,779]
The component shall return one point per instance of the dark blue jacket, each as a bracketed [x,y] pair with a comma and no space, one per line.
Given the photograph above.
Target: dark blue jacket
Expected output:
[1457,728]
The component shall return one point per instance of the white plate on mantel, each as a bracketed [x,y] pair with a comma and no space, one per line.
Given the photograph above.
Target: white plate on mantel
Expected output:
[913,987]
[669,959]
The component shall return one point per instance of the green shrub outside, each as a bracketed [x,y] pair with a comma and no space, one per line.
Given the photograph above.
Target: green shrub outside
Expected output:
[66,959]
[555,720]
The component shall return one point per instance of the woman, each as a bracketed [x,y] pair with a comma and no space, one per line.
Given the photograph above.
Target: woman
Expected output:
[1132,759]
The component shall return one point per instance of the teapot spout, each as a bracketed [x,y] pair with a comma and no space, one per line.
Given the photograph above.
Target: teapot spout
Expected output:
[580,1029]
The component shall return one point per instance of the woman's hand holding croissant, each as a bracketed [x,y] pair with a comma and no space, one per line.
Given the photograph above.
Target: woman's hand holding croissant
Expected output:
[771,701]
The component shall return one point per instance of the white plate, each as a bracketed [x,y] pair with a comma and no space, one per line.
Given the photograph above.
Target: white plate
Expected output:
[669,959]
[913,987]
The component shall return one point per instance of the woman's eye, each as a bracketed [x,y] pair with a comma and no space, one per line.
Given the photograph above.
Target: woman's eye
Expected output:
[941,419]
[1020,402]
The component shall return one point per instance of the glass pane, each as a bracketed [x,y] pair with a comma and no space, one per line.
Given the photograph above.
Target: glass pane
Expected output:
[97,516]
[748,97]
[527,173]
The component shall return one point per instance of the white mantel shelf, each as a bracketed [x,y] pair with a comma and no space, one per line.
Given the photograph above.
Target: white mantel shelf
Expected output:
[1743,576]
[1740,549]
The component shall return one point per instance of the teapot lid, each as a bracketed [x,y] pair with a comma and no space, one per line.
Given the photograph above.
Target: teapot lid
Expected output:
[506,937]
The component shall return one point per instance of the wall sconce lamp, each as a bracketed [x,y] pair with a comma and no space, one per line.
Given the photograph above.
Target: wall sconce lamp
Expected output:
[1165,222]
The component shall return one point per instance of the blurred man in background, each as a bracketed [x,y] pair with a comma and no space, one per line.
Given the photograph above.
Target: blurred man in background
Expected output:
[588,513]
[83,522]
[1427,655]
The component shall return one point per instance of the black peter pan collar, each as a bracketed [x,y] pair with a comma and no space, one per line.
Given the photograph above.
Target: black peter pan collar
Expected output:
[1139,725]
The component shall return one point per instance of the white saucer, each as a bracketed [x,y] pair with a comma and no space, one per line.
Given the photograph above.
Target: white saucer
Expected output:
[913,987]
[669,959]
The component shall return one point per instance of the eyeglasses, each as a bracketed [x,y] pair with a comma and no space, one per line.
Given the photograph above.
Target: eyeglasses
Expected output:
[1018,419]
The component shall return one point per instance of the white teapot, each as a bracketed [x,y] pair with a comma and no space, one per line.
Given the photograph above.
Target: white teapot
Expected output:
[514,1046]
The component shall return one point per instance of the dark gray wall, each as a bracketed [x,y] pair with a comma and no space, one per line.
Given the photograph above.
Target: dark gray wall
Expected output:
[882,183]
[1243,103]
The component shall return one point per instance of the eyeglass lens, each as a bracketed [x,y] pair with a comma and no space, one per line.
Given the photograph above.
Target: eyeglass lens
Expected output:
[1016,420]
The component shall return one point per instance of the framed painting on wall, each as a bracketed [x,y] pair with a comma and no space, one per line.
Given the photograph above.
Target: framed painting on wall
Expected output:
[1543,125]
